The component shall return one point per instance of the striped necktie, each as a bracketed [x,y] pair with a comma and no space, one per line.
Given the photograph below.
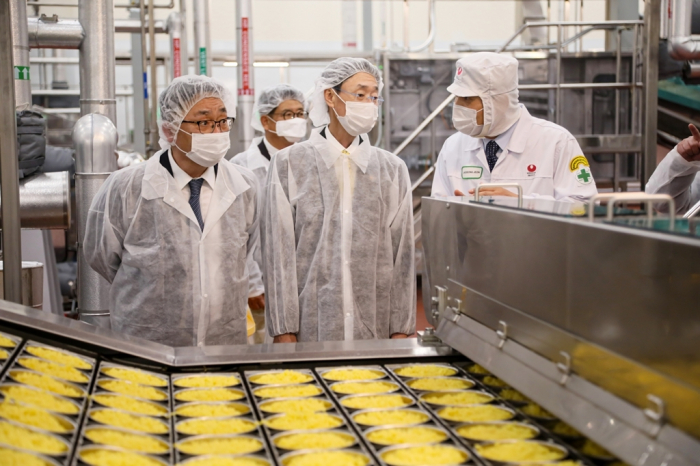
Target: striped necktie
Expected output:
[195,190]
[491,154]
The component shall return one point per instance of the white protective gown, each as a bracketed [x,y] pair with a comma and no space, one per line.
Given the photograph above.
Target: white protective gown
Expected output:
[542,157]
[171,282]
[678,178]
[338,243]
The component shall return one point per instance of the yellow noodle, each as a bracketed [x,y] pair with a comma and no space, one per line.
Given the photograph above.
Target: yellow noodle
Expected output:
[227,461]
[212,410]
[34,417]
[68,373]
[210,394]
[426,370]
[506,431]
[290,391]
[562,428]
[207,381]
[593,449]
[281,378]
[519,451]
[4,354]
[436,384]
[324,458]
[129,421]
[133,389]
[304,421]
[483,413]
[305,405]
[353,374]
[315,441]
[457,398]
[215,426]
[47,383]
[359,388]
[513,395]
[19,458]
[58,356]
[134,375]
[219,446]
[435,455]
[493,381]
[378,401]
[26,439]
[536,410]
[39,398]
[404,435]
[477,369]
[6,342]
[98,457]
[127,440]
[398,417]
[126,403]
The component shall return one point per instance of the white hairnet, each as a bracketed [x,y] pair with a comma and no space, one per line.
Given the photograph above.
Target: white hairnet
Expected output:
[181,95]
[335,74]
[270,99]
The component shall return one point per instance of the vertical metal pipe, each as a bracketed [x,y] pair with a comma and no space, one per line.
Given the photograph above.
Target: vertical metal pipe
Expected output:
[154,77]
[387,102]
[557,116]
[97,88]
[20,52]
[367,25]
[406,27]
[651,86]
[633,77]
[175,32]
[9,189]
[144,68]
[140,94]
[202,38]
[246,79]
[185,50]
[618,73]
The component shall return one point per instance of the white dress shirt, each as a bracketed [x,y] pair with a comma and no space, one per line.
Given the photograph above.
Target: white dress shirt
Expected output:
[272,150]
[182,181]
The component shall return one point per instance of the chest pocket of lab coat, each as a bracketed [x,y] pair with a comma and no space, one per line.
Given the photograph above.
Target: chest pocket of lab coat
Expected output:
[534,174]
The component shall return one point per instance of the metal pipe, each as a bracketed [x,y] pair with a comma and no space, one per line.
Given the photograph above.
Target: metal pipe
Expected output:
[202,37]
[387,102]
[44,201]
[134,26]
[154,77]
[557,113]
[682,45]
[168,6]
[20,53]
[433,30]
[55,92]
[651,89]
[12,18]
[53,33]
[184,51]
[246,81]
[97,58]
[693,211]
[422,178]
[406,29]
[95,140]
[618,73]
[177,65]
[144,67]
[425,123]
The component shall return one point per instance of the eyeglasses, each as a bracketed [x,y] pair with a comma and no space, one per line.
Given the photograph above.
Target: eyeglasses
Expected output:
[208,126]
[290,115]
[365,98]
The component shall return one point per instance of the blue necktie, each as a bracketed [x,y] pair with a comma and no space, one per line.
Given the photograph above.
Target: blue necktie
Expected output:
[491,154]
[195,189]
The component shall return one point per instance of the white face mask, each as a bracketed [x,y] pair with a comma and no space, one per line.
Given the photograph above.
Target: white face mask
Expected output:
[207,149]
[359,118]
[464,121]
[292,130]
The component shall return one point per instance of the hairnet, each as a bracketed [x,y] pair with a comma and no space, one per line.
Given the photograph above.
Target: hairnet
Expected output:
[181,95]
[335,73]
[270,99]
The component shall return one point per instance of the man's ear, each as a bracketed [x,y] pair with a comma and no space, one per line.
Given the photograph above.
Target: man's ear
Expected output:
[328,95]
[265,122]
[168,134]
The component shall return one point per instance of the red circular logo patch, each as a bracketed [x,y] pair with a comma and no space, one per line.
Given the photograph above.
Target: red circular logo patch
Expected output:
[531,168]
[459,71]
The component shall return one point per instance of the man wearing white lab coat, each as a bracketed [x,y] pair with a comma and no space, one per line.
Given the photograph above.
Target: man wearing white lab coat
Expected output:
[678,174]
[500,142]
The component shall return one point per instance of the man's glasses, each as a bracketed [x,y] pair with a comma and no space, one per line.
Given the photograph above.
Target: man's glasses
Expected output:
[365,98]
[290,115]
[208,126]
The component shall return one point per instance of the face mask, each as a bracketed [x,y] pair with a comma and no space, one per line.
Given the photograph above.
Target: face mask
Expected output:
[359,117]
[292,130]
[464,121]
[207,149]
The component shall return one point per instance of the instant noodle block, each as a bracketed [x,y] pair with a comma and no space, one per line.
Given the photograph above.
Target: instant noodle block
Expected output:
[304,421]
[353,374]
[591,448]
[502,431]
[325,458]
[562,428]
[215,426]
[227,461]
[315,441]
[207,381]
[6,342]
[477,369]
[536,410]
[434,455]
[132,405]
[483,413]
[212,410]
[440,384]
[26,439]
[359,388]
[61,371]
[519,451]
[39,398]
[426,370]
[457,398]
[60,357]
[280,378]
[104,457]
[47,383]
[493,381]
[129,421]
[303,405]
[219,446]
[288,391]
[513,395]
[376,401]
[34,417]
[19,458]
[133,389]
[127,440]
[4,354]
[394,417]
[134,375]
[405,435]
[210,394]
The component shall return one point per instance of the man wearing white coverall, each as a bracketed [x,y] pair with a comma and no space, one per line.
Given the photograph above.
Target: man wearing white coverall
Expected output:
[337,223]
[498,141]
[173,235]
[678,174]
[280,116]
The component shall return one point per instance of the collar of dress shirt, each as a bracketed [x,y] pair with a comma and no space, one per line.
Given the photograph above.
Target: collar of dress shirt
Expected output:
[272,150]
[182,179]
[358,151]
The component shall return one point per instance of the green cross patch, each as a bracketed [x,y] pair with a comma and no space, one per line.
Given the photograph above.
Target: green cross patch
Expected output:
[584,176]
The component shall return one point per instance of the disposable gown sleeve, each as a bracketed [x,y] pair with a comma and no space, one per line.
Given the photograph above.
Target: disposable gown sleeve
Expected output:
[279,248]
[678,178]
[255,284]
[403,283]
[442,187]
[104,233]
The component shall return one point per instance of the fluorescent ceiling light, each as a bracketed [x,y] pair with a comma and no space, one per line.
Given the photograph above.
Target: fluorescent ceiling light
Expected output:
[271,64]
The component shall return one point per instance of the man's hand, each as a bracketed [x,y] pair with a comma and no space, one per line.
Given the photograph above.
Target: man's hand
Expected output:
[257,303]
[494,192]
[689,148]
[458,192]
[285,338]
[397,336]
